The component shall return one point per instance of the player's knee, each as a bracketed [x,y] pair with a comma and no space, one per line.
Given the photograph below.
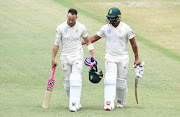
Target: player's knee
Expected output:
[75,79]
[121,83]
[123,75]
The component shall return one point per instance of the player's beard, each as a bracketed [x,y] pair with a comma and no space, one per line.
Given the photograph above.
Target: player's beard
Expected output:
[71,24]
[113,22]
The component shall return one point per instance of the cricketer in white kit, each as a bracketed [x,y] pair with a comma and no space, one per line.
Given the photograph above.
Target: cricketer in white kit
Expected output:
[69,35]
[117,35]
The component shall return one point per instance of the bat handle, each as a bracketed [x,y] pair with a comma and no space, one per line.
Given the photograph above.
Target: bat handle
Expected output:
[53,72]
[136,82]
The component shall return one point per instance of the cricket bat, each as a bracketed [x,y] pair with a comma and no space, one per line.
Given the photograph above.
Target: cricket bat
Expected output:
[141,71]
[48,92]
[136,90]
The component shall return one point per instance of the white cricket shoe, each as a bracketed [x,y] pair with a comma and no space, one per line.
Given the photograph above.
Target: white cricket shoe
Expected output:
[108,106]
[80,106]
[73,109]
[119,105]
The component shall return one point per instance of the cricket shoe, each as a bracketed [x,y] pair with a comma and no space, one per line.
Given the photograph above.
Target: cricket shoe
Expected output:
[80,106]
[119,105]
[108,106]
[74,109]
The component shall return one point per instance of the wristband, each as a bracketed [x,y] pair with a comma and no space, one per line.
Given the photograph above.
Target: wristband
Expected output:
[90,47]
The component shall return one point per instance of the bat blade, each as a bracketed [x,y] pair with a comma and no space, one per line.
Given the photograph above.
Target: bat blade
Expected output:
[136,95]
[48,92]
[136,91]
[47,98]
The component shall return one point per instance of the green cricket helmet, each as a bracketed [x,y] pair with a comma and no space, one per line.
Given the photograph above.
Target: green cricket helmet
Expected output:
[113,12]
[95,75]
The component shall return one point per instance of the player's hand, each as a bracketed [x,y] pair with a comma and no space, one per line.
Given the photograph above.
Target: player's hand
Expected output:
[54,63]
[93,59]
[137,62]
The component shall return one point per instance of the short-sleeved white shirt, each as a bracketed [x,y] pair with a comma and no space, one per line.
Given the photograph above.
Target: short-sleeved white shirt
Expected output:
[70,37]
[116,38]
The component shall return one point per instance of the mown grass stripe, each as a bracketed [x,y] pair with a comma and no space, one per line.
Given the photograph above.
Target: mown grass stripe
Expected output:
[143,40]
[84,12]
[165,51]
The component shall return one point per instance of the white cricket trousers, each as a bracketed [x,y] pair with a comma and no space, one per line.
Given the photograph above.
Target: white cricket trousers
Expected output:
[115,82]
[72,66]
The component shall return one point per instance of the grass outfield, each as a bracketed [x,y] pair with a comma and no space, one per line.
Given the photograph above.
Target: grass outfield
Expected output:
[27,35]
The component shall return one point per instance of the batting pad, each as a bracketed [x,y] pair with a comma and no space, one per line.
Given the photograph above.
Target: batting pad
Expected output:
[75,89]
[109,89]
[66,86]
[121,90]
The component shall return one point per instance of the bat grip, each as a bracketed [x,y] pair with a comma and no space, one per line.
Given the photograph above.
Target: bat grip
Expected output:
[53,71]
[136,82]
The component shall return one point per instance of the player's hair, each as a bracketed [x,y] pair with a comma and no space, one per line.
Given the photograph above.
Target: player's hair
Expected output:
[73,11]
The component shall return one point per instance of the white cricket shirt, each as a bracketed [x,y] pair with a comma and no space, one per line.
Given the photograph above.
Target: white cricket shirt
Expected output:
[70,37]
[116,38]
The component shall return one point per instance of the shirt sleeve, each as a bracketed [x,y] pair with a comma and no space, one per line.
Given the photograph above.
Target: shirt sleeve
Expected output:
[84,33]
[101,32]
[58,36]
[130,33]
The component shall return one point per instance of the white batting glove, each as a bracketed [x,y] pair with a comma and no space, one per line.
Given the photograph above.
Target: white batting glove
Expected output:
[139,70]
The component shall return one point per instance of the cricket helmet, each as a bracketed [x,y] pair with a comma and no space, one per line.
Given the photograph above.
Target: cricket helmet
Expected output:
[90,61]
[95,75]
[113,12]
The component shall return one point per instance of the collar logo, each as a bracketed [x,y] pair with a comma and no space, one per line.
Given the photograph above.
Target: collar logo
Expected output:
[110,11]
[109,31]
[76,30]
[65,30]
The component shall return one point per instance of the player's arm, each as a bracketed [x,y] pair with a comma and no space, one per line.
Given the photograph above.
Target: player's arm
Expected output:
[54,53]
[92,39]
[89,46]
[56,46]
[135,50]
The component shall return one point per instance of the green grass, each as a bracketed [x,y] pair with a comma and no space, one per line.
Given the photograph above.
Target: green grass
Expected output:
[27,35]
